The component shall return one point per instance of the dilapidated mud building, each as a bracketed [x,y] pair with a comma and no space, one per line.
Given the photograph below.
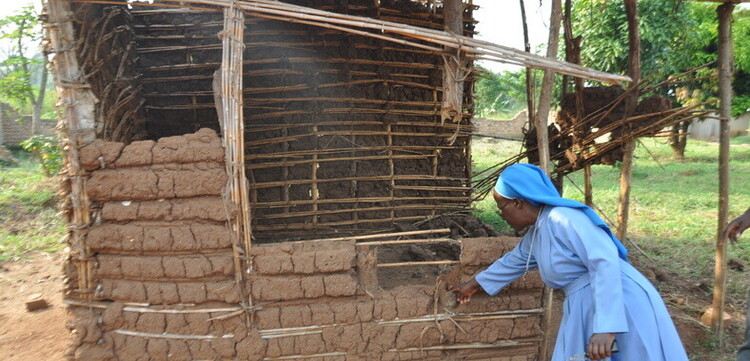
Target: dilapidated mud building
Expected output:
[257,180]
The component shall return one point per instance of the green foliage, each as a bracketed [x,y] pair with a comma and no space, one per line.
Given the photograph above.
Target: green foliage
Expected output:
[666,45]
[48,150]
[741,36]
[499,94]
[740,105]
[676,36]
[741,99]
[29,220]
[19,34]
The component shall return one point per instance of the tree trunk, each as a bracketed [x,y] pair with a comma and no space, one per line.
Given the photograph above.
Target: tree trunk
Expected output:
[634,70]
[548,80]
[678,139]
[724,12]
[38,102]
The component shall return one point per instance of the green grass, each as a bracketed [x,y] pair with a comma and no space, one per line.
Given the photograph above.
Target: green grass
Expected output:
[674,204]
[28,214]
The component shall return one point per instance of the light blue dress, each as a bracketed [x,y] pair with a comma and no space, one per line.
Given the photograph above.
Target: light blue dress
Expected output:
[603,293]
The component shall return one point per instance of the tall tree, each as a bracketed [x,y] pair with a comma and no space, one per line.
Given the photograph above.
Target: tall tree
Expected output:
[23,30]
[676,36]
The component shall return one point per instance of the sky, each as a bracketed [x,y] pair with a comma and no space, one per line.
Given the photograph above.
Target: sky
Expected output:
[500,23]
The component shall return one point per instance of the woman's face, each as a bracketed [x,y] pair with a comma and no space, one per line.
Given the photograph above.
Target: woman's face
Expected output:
[511,211]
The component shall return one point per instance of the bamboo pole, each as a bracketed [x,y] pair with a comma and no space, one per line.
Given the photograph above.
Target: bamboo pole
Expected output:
[321,225]
[171,336]
[314,192]
[724,13]
[383,235]
[352,152]
[278,204]
[347,123]
[391,170]
[260,185]
[634,70]
[350,23]
[409,241]
[270,61]
[497,344]
[77,124]
[229,91]
[297,357]
[416,263]
[347,132]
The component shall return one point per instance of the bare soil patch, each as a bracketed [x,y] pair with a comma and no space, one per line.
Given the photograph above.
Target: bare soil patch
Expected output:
[36,335]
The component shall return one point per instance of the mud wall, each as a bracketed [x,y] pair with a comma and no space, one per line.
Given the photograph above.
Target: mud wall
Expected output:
[167,286]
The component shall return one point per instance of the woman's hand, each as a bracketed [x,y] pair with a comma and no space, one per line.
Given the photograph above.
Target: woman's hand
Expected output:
[737,226]
[466,290]
[600,346]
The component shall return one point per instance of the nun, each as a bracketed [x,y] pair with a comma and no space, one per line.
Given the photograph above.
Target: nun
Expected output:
[611,311]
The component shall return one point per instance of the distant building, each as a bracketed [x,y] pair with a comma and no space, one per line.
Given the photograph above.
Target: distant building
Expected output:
[708,128]
[15,128]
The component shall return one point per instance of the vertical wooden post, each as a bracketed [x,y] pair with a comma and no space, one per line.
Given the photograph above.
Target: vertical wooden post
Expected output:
[77,125]
[634,71]
[548,80]
[725,100]
[587,188]
[453,64]
[530,109]
[228,91]
[542,140]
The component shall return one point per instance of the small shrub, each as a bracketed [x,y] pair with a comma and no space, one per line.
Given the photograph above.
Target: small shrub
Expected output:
[48,150]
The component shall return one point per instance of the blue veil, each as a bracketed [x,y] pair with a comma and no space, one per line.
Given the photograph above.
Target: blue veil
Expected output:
[529,183]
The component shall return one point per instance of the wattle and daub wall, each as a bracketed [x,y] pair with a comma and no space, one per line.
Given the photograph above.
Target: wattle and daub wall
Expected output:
[166,286]
[343,133]
[343,136]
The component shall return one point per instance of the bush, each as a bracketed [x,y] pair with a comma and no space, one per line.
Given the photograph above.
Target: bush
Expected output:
[48,150]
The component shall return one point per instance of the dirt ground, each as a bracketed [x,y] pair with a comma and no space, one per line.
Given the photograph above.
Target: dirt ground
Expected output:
[37,335]
[42,335]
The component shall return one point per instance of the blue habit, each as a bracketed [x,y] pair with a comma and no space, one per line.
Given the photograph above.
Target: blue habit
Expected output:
[603,292]
[529,182]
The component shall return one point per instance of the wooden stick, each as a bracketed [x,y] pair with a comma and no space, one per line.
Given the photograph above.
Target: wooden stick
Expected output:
[314,192]
[472,316]
[371,209]
[172,336]
[383,235]
[405,177]
[409,264]
[351,151]
[347,123]
[497,344]
[408,241]
[316,162]
[296,357]
[297,59]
